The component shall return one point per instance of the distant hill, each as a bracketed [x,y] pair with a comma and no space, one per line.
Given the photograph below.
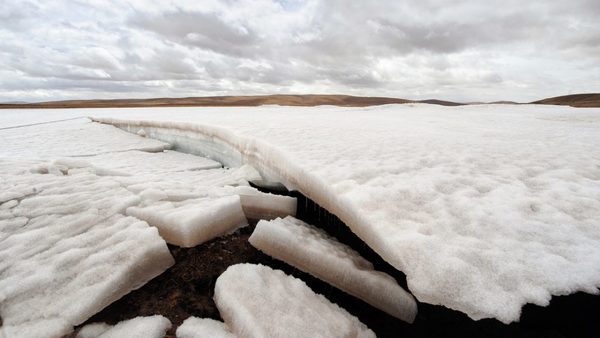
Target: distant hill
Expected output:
[575,100]
[228,101]
[442,102]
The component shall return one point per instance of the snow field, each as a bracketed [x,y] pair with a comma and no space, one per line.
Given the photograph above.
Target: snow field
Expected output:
[203,328]
[313,251]
[257,301]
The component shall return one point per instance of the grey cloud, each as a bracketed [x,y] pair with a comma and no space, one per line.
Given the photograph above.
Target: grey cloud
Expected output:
[204,30]
[414,49]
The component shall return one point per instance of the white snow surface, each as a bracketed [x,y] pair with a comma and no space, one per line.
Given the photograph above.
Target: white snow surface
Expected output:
[139,327]
[311,250]
[67,250]
[257,301]
[70,138]
[67,247]
[484,207]
[194,327]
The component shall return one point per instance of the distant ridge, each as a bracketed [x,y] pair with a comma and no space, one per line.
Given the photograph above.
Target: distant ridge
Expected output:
[229,101]
[575,100]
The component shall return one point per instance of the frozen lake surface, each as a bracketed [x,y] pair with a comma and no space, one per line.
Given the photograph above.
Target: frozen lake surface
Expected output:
[484,208]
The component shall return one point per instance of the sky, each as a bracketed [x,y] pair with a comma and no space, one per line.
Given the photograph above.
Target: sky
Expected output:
[447,49]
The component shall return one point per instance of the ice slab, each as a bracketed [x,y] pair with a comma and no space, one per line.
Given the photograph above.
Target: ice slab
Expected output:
[484,208]
[139,327]
[313,251]
[257,301]
[72,252]
[260,205]
[194,221]
[203,328]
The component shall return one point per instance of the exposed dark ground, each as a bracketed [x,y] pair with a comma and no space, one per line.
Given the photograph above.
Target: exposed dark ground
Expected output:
[186,289]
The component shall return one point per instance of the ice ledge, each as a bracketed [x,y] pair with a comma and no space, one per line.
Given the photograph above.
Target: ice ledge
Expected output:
[234,150]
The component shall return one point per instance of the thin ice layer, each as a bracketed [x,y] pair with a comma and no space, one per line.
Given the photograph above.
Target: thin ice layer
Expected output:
[194,221]
[139,327]
[485,208]
[203,328]
[313,251]
[257,301]
[73,254]
[72,138]
[137,162]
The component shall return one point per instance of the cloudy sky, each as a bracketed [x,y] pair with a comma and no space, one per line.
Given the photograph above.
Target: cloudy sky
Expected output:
[458,50]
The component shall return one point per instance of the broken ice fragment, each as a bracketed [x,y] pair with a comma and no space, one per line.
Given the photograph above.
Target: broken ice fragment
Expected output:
[313,251]
[257,301]
[191,222]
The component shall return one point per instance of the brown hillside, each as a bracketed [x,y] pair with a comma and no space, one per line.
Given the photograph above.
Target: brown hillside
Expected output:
[576,100]
[219,101]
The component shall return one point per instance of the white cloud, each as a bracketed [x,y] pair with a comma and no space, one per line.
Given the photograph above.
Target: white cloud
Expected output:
[461,50]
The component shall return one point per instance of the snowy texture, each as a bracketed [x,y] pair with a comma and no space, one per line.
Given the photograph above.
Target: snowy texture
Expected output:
[257,301]
[313,251]
[139,327]
[193,221]
[71,138]
[485,208]
[67,250]
[203,328]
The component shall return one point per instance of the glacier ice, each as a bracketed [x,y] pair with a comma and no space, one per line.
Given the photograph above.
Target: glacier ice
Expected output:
[313,251]
[484,208]
[203,328]
[257,301]
[140,327]
[193,221]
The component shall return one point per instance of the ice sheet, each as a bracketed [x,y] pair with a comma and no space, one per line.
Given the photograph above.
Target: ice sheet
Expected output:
[139,327]
[484,207]
[137,162]
[71,138]
[313,251]
[203,328]
[73,253]
[257,301]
